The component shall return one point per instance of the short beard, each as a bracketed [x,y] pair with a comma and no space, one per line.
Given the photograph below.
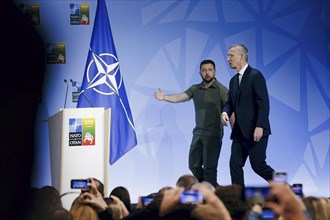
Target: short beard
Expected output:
[208,80]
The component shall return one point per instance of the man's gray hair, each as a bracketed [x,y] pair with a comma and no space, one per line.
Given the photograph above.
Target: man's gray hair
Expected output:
[242,48]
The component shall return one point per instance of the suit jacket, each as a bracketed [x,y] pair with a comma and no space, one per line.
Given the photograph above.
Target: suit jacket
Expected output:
[250,102]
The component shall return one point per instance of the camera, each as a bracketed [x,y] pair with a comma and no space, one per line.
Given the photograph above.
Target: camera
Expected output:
[80,183]
[280,177]
[191,196]
[298,189]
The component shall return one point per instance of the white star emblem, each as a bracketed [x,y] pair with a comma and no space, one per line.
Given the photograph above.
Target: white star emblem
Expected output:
[106,74]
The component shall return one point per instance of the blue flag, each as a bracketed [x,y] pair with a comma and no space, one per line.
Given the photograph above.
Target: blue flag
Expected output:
[103,85]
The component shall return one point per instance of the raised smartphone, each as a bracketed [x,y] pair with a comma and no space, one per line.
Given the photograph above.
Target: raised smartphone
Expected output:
[298,189]
[80,184]
[280,177]
[191,196]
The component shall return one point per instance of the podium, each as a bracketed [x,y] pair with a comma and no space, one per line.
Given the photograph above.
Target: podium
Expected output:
[79,148]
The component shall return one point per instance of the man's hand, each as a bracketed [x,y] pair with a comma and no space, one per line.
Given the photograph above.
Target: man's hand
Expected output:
[258,133]
[224,119]
[159,95]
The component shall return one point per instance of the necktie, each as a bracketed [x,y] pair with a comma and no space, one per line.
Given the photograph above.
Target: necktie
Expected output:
[237,87]
[239,78]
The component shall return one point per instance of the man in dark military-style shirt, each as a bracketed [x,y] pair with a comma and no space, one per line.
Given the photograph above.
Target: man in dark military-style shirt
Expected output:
[209,97]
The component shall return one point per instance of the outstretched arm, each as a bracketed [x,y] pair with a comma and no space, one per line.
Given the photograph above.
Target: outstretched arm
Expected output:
[180,97]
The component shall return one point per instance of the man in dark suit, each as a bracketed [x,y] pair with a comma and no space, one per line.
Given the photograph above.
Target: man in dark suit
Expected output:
[248,101]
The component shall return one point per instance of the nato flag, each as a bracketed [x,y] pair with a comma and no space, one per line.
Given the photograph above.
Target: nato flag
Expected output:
[103,85]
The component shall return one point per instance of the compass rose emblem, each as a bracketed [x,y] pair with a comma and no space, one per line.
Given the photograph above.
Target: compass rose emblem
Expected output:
[102,73]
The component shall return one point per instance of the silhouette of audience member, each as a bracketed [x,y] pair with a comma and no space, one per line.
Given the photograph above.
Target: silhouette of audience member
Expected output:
[154,205]
[50,197]
[232,197]
[163,189]
[99,186]
[212,208]
[318,207]
[283,201]
[148,210]
[96,187]
[60,214]
[45,200]
[141,214]
[19,102]
[80,210]
[187,181]
[224,202]
[204,183]
[181,212]
[123,194]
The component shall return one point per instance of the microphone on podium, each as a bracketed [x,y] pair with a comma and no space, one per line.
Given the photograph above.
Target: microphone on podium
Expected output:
[81,92]
[66,93]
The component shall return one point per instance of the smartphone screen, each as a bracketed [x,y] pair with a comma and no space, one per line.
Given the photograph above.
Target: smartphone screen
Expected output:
[80,184]
[298,189]
[146,200]
[279,177]
[191,196]
[256,194]
[268,214]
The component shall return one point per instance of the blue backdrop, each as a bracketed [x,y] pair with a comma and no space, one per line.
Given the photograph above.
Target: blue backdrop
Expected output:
[160,45]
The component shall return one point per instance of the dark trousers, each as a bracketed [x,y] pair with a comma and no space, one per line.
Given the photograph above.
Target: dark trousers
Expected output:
[204,156]
[256,151]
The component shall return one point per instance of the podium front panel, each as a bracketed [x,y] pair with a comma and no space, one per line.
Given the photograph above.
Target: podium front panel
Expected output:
[83,135]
